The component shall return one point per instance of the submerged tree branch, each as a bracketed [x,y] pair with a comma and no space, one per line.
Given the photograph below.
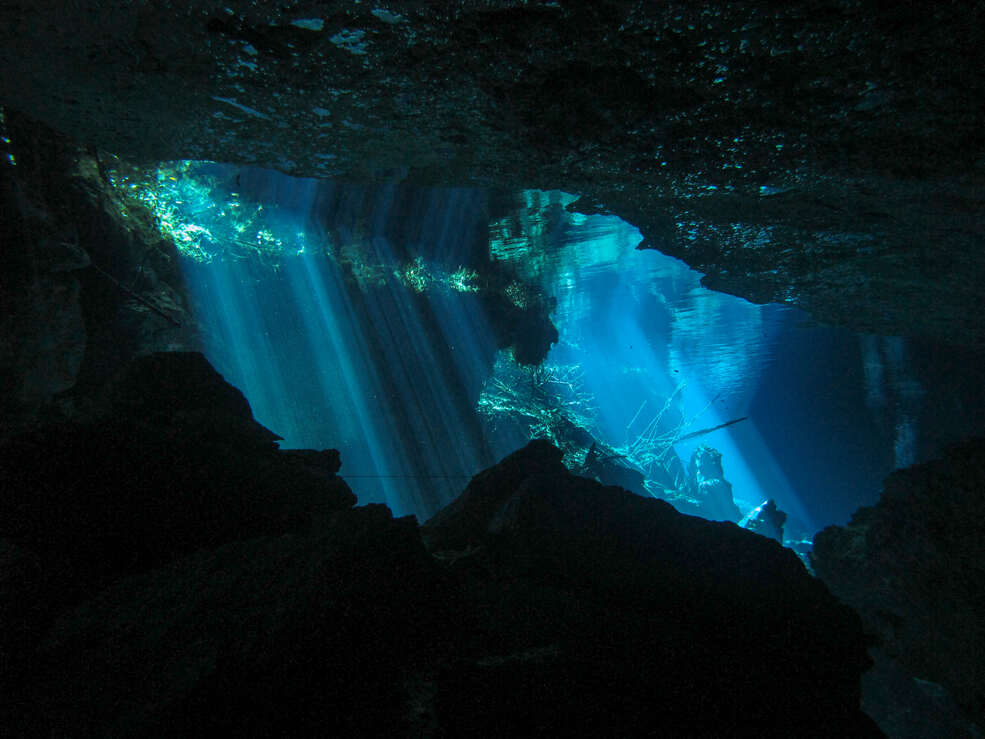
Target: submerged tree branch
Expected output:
[702,432]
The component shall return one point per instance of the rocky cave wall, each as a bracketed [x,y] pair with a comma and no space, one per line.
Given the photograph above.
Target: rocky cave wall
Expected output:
[829,156]
[913,565]
[165,570]
[825,155]
[86,285]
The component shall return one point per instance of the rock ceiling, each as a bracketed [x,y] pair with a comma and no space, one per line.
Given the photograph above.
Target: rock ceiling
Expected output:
[829,155]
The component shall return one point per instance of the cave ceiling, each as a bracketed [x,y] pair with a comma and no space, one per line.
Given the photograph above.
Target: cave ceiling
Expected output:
[828,155]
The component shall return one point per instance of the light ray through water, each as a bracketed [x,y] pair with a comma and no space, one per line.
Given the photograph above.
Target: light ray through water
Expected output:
[380,372]
[353,317]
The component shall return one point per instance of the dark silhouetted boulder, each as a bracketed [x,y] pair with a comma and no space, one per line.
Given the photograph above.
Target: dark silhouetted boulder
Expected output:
[913,565]
[465,521]
[604,613]
[314,634]
[549,606]
[175,465]
[171,463]
[181,394]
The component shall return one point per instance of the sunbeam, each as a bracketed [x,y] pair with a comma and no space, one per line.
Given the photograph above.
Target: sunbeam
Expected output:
[405,326]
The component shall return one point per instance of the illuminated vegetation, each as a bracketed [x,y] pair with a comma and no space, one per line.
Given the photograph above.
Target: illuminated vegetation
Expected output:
[205,217]
[202,212]
[415,275]
[464,280]
[548,400]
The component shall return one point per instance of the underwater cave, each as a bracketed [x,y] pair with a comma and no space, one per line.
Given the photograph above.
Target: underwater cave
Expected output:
[512,369]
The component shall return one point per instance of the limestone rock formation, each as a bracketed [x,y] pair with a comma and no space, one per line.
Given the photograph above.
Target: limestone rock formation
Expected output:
[82,291]
[826,156]
[164,571]
[709,486]
[705,492]
[912,565]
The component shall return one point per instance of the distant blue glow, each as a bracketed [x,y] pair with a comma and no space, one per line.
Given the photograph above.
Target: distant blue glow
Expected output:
[892,390]
[643,329]
[386,375]
[347,317]
[818,438]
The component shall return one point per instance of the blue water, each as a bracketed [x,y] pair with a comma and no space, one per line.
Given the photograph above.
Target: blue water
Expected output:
[387,376]
[830,412]
[335,355]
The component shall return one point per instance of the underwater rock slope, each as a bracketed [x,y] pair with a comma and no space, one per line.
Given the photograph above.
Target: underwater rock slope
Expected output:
[829,155]
[166,571]
[86,285]
[602,612]
[914,567]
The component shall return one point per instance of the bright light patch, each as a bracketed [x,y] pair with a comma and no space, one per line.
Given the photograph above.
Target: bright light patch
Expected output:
[655,357]
[337,338]
[309,24]
[355,318]
[415,275]
[464,280]
[386,16]
[198,208]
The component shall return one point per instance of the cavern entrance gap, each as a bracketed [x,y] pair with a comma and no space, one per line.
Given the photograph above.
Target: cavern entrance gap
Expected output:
[408,328]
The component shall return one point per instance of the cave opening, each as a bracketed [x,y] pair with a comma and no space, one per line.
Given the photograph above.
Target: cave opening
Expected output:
[413,328]
[503,467]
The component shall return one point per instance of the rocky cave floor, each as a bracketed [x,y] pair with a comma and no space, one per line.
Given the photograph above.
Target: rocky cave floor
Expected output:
[166,570]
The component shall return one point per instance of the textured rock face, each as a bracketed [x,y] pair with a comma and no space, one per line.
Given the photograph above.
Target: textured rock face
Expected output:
[829,156]
[82,290]
[705,491]
[164,571]
[912,565]
[581,587]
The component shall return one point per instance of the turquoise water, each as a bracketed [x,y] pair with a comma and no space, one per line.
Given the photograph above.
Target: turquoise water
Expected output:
[352,319]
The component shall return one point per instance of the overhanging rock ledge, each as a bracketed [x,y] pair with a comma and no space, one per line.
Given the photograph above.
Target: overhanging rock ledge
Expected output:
[827,156]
